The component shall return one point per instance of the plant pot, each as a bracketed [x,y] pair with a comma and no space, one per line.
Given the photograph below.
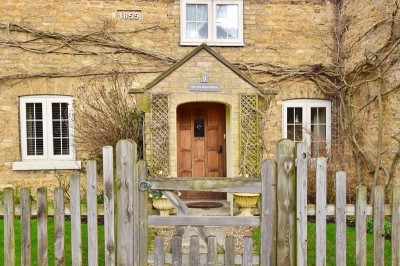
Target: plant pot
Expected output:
[246,201]
[163,205]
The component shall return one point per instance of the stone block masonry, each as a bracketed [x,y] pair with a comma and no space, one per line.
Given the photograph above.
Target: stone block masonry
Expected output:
[280,33]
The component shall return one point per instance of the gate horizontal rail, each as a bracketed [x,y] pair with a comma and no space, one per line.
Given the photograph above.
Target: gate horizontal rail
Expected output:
[330,209]
[220,184]
[204,221]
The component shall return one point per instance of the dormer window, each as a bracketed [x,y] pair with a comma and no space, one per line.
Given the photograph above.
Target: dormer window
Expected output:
[218,23]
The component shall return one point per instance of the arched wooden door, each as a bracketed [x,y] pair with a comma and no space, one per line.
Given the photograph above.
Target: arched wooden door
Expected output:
[201,144]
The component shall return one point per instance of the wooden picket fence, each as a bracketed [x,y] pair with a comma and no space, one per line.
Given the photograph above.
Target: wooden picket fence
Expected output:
[211,257]
[282,220]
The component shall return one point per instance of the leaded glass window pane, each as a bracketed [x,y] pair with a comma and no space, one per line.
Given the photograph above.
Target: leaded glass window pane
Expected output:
[227,21]
[318,131]
[295,124]
[34,128]
[60,126]
[197,21]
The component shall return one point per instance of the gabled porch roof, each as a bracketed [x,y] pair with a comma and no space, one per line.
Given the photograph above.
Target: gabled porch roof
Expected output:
[191,55]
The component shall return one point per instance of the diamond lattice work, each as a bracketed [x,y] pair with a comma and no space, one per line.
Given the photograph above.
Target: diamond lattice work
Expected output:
[160,135]
[250,148]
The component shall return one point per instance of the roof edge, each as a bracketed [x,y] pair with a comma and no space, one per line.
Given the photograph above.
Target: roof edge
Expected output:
[191,54]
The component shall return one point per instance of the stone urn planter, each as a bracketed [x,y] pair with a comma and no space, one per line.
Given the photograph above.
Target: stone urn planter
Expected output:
[163,205]
[246,201]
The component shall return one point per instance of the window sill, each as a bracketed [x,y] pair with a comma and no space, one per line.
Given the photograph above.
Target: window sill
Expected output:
[215,44]
[46,165]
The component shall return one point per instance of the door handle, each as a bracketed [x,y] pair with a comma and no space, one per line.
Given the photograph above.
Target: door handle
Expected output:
[220,149]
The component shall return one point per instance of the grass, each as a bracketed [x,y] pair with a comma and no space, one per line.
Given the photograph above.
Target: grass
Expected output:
[330,245]
[50,231]
[351,236]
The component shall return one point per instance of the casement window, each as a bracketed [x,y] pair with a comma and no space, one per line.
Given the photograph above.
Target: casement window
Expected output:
[46,133]
[214,22]
[309,121]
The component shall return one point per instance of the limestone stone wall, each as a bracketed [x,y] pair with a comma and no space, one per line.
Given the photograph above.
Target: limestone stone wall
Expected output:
[10,134]
[372,25]
[281,32]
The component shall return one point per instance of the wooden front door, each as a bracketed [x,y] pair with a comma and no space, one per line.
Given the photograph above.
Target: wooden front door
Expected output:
[201,144]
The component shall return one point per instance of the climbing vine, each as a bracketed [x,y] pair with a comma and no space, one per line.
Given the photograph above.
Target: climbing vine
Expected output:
[359,91]
[102,43]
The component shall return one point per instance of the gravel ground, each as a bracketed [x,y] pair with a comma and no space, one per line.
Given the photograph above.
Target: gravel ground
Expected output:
[237,231]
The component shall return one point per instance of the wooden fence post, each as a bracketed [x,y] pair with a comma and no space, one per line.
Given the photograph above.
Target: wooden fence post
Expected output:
[194,255]
[176,251]
[91,195]
[396,226]
[126,158]
[268,213]
[159,251]
[76,233]
[379,217]
[142,214]
[137,211]
[212,253]
[109,205]
[341,218]
[26,227]
[229,251]
[361,226]
[9,246]
[286,198]
[320,208]
[59,228]
[301,210]
[247,259]
[42,226]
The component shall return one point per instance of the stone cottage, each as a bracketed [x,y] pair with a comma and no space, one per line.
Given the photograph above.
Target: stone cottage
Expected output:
[219,82]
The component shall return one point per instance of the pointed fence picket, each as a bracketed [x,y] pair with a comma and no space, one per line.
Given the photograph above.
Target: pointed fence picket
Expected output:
[26,226]
[283,216]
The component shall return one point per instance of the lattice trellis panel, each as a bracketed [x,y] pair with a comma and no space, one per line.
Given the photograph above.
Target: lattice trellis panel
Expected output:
[250,146]
[159,135]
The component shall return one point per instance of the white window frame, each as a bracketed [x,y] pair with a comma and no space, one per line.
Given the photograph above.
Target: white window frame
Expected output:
[212,23]
[48,160]
[306,105]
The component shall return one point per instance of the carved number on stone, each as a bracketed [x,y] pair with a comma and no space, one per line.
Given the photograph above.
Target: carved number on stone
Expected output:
[128,14]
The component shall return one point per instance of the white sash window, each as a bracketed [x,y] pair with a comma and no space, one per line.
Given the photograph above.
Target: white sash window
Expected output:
[214,22]
[46,132]
[309,121]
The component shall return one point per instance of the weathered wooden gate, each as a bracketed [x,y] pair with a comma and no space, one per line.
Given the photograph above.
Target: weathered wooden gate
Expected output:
[132,219]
